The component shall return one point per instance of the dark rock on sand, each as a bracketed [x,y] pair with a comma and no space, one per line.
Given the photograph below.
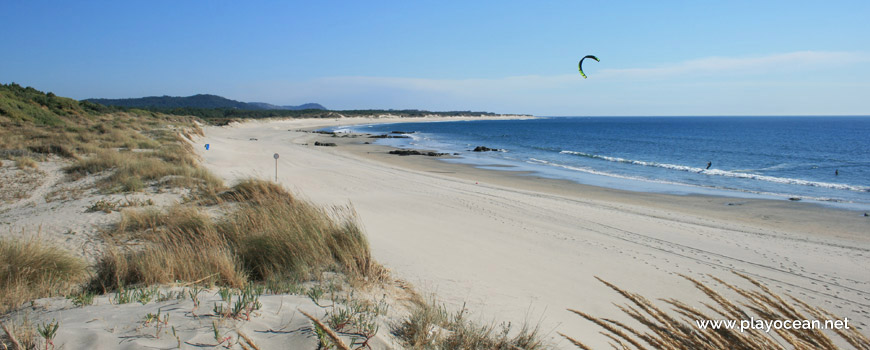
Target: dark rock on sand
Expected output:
[388,137]
[486,149]
[411,152]
[329,144]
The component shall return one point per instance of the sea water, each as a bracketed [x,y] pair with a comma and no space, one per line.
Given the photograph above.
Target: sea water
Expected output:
[823,159]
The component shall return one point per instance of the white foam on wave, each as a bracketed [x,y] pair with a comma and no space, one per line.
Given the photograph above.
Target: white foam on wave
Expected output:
[726,173]
[601,173]
[595,172]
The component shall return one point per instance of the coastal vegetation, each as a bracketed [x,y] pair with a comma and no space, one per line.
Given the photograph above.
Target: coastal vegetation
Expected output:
[31,270]
[677,328]
[267,235]
[431,325]
[141,147]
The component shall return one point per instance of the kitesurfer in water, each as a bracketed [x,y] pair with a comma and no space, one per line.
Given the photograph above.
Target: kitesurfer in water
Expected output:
[709,164]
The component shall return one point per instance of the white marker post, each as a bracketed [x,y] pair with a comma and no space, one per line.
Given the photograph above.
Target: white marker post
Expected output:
[276,167]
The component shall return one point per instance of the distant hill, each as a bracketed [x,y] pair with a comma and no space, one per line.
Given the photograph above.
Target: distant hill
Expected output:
[25,106]
[196,101]
[263,105]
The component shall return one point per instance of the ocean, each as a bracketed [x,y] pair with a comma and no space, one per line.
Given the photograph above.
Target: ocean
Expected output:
[819,159]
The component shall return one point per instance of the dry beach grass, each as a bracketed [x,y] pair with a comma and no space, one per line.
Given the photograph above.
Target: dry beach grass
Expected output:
[30,270]
[268,234]
[676,328]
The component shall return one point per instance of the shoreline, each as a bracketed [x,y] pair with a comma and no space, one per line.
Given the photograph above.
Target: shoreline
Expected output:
[603,179]
[816,217]
[811,211]
[515,246]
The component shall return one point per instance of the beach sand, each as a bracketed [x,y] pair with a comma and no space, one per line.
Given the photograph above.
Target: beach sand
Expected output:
[515,247]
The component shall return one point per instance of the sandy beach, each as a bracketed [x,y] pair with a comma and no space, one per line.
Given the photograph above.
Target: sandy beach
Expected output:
[515,247]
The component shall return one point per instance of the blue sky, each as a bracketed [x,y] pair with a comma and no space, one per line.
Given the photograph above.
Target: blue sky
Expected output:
[657,57]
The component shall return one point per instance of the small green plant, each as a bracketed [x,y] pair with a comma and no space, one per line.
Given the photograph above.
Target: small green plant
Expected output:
[356,316]
[326,336]
[219,310]
[169,295]
[338,319]
[226,294]
[177,338]
[123,296]
[247,301]
[144,296]
[159,320]
[322,337]
[219,338]
[48,331]
[315,293]
[193,293]
[82,298]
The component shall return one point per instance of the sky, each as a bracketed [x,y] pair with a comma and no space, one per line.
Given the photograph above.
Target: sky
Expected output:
[657,57]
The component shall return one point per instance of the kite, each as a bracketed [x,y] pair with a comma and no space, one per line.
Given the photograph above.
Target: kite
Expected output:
[580,65]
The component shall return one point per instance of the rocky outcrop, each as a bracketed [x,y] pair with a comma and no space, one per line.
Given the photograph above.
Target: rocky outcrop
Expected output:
[486,149]
[411,152]
[389,137]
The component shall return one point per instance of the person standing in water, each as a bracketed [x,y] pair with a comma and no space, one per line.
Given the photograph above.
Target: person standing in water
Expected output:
[836,172]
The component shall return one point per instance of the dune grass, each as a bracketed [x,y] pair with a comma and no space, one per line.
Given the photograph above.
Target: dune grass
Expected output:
[169,160]
[676,328]
[432,326]
[32,269]
[19,334]
[297,236]
[136,148]
[25,163]
[268,234]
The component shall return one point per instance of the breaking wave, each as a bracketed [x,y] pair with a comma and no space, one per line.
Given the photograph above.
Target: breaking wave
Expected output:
[724,173]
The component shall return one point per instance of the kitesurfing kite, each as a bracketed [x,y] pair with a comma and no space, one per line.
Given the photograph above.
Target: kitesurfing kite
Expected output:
[580,65]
